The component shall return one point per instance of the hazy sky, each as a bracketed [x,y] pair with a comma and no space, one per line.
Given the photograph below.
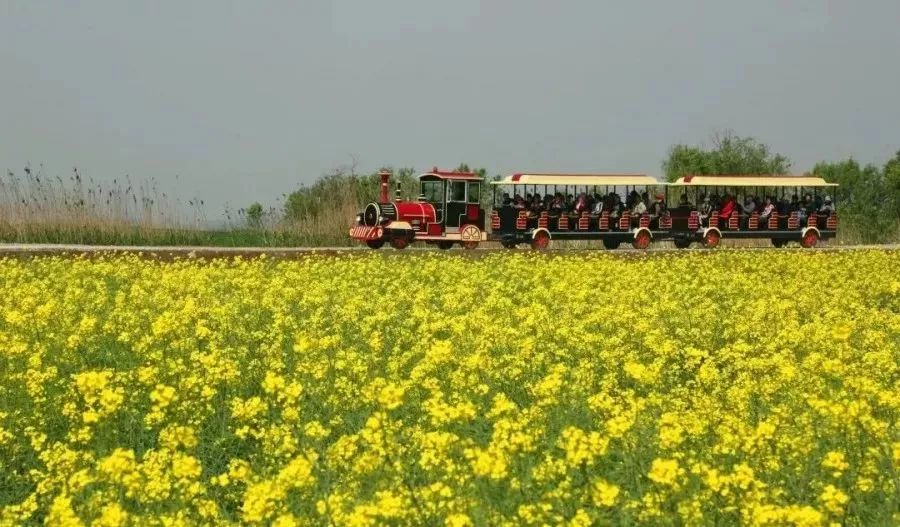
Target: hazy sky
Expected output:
[246,100]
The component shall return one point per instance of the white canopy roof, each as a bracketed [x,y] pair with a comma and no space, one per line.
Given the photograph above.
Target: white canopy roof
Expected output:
[752,181]
[578,179]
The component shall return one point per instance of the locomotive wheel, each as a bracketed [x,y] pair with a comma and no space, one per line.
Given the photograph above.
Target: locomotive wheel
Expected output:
[399,243]
[809,240]
[445,245]
[711,240]
[375,244]
[611,244]
[778,243]
[682,243]
[470,235]
[641,241]
[540,241]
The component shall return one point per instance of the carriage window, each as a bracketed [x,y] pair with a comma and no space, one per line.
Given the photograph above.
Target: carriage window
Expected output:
[457,191]
[433,191]
[474,193]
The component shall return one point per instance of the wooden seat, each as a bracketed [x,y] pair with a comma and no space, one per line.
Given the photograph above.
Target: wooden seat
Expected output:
[563,222]
[714,219]
[625,221]
[522,220]
[495,220]
[665,222]
[734,221]
[773,221]
[832,222]
[543,220]
[584,221]
[812,220]
[693,220]
[644,221]
[794,221]
[603,222]
[753,222]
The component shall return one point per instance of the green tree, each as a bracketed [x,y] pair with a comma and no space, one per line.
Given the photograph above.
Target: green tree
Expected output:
[862,200]
[254,215]
[730,154]
[892,185]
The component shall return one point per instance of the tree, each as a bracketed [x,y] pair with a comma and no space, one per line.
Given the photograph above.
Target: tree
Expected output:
[730,154]
[254,215]
[892,184]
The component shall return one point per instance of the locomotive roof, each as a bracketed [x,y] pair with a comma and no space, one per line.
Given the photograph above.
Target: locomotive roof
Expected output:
[577,179]
[753,180]
[459,176]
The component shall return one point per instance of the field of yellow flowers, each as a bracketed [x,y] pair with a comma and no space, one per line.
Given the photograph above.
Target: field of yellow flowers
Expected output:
[705,387]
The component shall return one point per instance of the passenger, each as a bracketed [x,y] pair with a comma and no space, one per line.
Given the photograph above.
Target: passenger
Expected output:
[784,207]
[795,204]
[557,205]
[705,210]
[519,202]
[580,204]
[658,207]
[767,210]
[639,209]
[598,205]
[827,209]
[507,201]
[684,201]
[632,198]
[727,208]
[749,206]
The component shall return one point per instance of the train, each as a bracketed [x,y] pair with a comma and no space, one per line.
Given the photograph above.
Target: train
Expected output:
[450,210]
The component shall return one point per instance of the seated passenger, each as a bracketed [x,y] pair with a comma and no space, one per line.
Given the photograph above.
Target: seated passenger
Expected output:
[705,209]
[767,210]
[827,209]
[598,205]
[507,201]
[684,201]
[518,202]
[727,208]
[749,206]
[639,209]
[784,208]
[557,205]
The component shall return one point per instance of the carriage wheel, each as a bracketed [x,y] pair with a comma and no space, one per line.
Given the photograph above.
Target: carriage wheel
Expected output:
[375,244]
[682,243]
[399,243]
[611,244]
[540,241]
[810,239]
[641,240]
[711,240]
[444,245]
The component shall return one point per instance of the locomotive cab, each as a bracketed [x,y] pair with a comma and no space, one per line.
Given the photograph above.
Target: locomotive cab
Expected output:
[448,211]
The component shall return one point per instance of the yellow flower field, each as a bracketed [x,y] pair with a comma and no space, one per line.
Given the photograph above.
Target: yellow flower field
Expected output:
[705,387]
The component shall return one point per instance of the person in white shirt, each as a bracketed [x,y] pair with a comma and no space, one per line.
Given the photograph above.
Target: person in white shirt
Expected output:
[827,208]
[767,211]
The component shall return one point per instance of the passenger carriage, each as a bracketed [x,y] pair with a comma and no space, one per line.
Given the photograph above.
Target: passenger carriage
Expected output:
[688,226]
[448,211]
[511,226]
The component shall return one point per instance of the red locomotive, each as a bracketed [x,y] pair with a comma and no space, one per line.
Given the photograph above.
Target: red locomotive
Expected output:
[448,211]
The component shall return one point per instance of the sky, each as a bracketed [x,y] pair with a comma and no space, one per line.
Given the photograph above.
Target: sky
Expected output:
[234,102]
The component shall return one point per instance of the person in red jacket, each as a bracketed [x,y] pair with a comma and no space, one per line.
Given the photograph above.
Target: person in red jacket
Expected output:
[727,208]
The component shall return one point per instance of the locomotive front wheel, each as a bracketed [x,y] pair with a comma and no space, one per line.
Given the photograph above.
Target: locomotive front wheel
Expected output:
[540,241]
[469,245]
[641,241]
[375,244]
[809,240]
[399,243]
[711,240]
[444,245]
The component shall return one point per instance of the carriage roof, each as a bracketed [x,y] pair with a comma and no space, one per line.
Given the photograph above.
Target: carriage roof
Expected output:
[751,181]
[577,179]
